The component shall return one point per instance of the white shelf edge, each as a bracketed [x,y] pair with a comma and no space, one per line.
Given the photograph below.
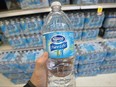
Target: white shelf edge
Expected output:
[48,9]
[34,11]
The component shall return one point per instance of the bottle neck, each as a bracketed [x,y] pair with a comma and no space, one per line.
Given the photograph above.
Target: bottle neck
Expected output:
[56,8]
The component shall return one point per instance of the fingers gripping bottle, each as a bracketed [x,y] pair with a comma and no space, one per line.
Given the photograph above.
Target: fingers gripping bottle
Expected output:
[58,38]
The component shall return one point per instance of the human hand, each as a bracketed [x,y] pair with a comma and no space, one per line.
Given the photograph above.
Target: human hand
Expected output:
[40,75]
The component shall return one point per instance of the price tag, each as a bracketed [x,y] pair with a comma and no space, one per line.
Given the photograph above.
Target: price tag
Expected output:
[99,10]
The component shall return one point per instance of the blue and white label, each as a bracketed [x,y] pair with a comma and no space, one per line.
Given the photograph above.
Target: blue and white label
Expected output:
[59,44]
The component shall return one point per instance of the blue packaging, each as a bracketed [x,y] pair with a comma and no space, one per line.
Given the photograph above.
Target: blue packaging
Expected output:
[89,1]
[92,72]
[90,52]
[40,23]
[110,20]
[77,20]
[20,81]
[18,42]
[89,66]
[109,33]
[15,75]
[92,20]
[26,4]
[90,34]
[110,45]
[23,25]
[10,63]
[106,63]
[85,2]
[76,2]
[34,40]
[78,35]
[106,70]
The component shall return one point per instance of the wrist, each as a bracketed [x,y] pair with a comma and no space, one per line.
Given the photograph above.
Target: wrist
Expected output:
[29,84]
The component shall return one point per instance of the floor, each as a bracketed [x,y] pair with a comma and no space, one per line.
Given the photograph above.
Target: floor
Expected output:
[108,80]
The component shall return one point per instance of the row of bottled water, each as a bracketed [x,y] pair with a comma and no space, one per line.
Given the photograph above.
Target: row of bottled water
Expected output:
[109,26]
[108,32]
[26,4]
[88,34]
[25,41]
[19,65]
[88,63]
[19,61]
[106,1]
[109,64]
[18,78]
[17,26]
[85,1]
[35,40]
[90,52]
[86,20]
[91,59]
[30,25]
[110,20]
[93,1]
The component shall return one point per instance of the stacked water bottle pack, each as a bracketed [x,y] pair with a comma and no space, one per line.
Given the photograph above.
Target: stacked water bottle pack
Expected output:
[92,1]
[109,64]
[106,1]
[25,41]
[85,2]
[26,4]
[77,20]
[18,65]
[26,31]
[23,32]
[109,26]
[86,24]
[89,58]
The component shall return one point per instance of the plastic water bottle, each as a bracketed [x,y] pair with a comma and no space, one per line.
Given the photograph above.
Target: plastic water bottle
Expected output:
[58,38]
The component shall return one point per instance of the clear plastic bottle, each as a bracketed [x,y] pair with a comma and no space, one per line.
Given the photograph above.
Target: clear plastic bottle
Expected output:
[58,38]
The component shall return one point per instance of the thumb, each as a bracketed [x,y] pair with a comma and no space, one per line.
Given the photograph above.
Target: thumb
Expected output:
[42,60]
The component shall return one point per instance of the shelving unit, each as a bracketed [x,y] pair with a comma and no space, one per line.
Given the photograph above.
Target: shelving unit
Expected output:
[48,9]
[34,11]
[100,80]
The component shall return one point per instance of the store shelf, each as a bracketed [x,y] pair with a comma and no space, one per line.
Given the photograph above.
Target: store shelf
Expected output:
[105,5]
[34,11]
[95,81]
[5,47]
[48,9]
